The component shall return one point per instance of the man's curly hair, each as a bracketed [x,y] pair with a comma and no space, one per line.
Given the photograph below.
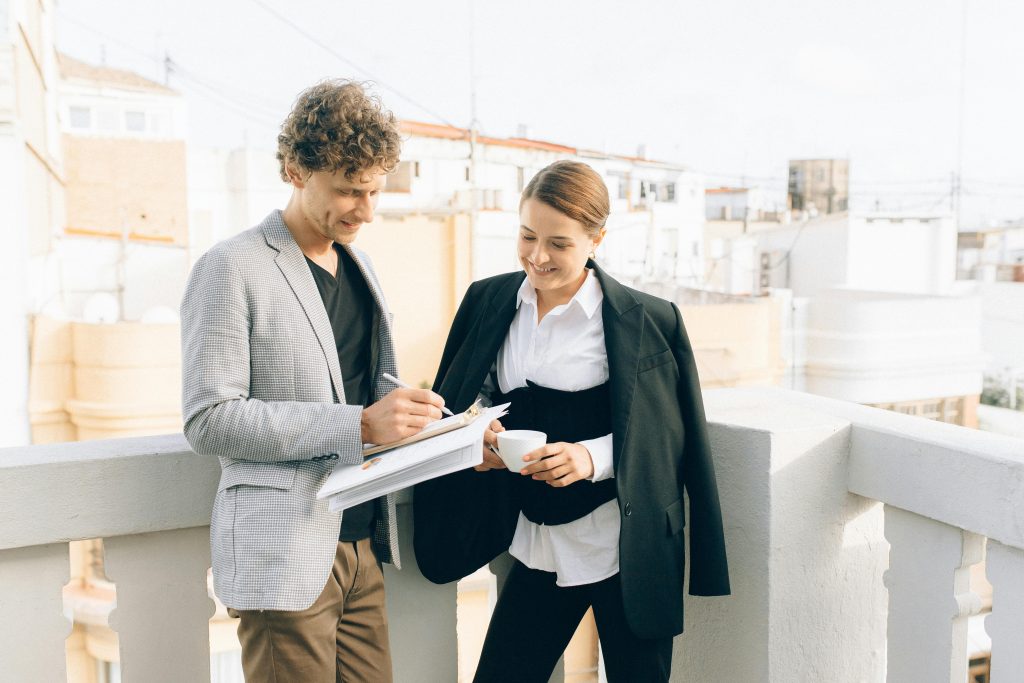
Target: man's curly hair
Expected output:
[337,126]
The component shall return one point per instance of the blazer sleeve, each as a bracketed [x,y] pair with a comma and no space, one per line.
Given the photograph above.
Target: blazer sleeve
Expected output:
[463,520]
[461,326]
[709,571]
[221,418]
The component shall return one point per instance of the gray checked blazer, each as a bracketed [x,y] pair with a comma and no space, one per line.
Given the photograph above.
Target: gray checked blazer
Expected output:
[263,392]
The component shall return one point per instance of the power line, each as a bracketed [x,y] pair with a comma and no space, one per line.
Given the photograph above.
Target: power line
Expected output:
[345,60]
[116,41]
[266,105]
[213,93]
[242,102]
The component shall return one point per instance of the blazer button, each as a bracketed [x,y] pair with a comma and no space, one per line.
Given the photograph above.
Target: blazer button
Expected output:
[627,509]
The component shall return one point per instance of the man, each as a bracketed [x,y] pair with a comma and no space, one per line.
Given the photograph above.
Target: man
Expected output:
[285,338]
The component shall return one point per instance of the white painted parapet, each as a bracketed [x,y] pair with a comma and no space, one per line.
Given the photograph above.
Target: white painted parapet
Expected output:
[814,492]
[150,498]
[806,557]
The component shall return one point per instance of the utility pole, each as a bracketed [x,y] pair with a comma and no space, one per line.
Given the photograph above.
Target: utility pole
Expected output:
[473,123]
[958,184]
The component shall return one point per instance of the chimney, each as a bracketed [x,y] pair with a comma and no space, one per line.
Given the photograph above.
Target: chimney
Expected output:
[523,131]
[641,151]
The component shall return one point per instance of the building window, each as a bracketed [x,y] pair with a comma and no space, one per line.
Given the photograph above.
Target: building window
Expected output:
[623,187]
[400,180]
[520,179]
[80,117]
[667,192]
[135,121]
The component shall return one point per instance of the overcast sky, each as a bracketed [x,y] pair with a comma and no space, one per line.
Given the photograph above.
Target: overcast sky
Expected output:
[731,88]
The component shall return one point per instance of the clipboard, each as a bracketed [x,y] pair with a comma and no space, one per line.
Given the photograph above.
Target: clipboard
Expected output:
[449,424]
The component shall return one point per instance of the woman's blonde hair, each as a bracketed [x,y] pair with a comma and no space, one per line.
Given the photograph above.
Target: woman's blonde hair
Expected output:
[573,188]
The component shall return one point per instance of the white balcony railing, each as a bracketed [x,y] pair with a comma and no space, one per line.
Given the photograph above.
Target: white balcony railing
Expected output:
[850,532]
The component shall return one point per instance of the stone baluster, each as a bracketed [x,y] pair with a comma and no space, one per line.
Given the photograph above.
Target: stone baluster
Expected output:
[34,629]
[421,615]
[163,607]
[929,597]
[1004,566]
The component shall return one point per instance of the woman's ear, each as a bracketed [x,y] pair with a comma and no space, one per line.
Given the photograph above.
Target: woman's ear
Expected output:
[600,238]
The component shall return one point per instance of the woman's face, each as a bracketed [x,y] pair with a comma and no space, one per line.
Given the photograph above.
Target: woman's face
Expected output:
[553,249]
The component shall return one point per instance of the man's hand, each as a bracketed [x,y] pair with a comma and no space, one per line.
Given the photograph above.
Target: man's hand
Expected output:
[401,413]
[559,464]
[491,460]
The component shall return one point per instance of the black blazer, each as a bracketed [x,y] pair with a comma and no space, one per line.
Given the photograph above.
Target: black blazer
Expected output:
[659,446]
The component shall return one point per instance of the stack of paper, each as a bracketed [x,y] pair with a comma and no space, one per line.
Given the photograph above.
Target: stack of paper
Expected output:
[451,450]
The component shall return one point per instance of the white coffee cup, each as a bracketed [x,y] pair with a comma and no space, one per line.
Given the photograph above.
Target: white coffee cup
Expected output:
[515,443]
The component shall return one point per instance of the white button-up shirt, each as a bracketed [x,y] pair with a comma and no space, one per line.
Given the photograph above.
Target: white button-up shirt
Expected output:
[565,351]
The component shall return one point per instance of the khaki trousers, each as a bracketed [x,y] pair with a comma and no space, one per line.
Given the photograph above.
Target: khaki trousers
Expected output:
[341,638]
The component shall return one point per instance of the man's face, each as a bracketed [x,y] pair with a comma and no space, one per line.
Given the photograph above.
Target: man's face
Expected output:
[335,206]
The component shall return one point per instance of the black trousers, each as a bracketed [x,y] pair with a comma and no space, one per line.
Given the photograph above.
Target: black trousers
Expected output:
[535,619]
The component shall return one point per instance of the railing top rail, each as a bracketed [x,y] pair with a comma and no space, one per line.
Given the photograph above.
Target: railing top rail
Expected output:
[963,477]
[95,489]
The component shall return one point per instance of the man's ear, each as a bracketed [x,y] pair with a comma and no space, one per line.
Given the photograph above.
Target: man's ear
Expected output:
[294,174]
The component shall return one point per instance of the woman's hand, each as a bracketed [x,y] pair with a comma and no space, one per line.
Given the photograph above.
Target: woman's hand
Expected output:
[559,464]
[491,459]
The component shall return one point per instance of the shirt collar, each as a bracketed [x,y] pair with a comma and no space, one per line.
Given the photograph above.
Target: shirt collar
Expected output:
[589,296]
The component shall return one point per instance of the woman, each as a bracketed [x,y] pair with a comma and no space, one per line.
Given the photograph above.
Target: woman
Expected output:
[596,518]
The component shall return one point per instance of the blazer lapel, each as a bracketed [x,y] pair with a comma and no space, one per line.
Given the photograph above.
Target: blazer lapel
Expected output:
[623,318]
[383,338]
[295,270]
[492,328]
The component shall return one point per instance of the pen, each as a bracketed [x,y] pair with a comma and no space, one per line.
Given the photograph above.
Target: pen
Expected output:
[394,380]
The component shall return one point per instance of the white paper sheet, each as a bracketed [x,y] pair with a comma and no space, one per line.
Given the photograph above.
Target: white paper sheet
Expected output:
[390,471]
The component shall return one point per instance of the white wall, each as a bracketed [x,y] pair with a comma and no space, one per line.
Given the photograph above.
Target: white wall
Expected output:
[14,426]
[31,201]
[494,244]
[875,347]
[883,253]
[230,191]
[818,254]
[166,113]
[1002,323]
[141,276]
[908,255]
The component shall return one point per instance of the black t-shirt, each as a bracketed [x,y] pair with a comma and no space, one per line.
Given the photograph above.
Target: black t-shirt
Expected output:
[350,308]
